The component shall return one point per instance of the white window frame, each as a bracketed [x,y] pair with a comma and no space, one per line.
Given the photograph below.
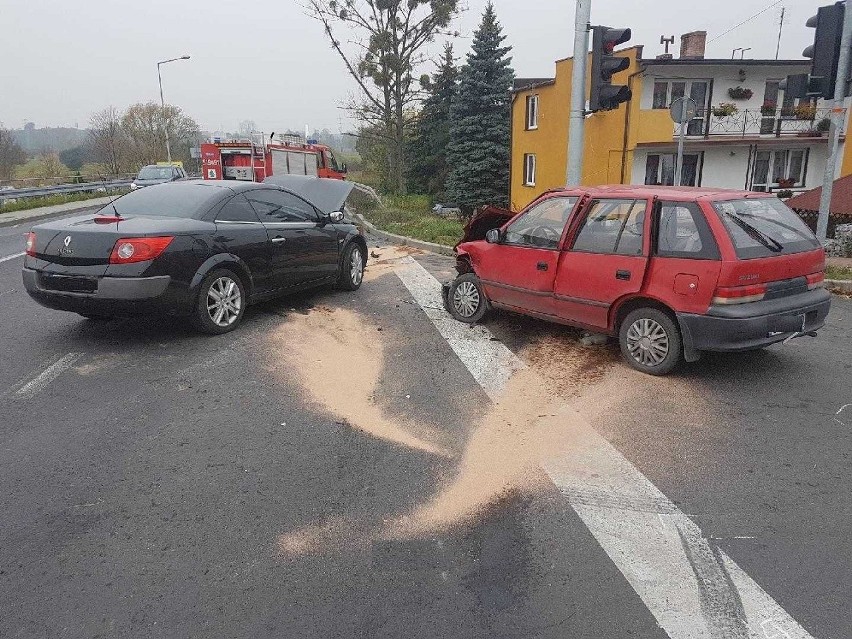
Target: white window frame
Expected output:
[771,184]
[529,169]
[698,168]
[532,112]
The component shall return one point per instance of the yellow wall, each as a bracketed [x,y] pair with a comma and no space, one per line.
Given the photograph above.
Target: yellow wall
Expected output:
[604,139]
[846,164]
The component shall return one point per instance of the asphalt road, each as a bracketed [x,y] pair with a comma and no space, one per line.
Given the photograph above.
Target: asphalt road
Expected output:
[337,467]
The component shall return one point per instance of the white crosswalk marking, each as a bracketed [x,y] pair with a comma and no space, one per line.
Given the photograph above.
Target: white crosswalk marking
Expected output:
[693,589]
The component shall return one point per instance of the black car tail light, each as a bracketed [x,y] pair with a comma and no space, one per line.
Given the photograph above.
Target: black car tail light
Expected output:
[139,249]
[31,244]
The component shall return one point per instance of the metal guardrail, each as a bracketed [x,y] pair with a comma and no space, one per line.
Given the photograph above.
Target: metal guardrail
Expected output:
[43,191]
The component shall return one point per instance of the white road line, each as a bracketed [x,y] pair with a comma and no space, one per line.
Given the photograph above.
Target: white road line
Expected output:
[493,366]
[32,388]
[693,589]
[11,257]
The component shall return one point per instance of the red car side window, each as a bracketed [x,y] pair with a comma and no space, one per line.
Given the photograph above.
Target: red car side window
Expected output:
[612,227]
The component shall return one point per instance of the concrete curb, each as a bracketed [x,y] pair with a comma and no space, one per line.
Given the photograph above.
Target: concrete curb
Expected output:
[34,215]
[406,241]
[844,286]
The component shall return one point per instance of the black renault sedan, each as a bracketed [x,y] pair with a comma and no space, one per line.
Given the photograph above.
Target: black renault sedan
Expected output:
[199,249]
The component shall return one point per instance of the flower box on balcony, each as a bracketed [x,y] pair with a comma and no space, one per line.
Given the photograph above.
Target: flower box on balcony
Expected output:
[740,93]
[768,109]
[786,183]
[805,112]
[725,109]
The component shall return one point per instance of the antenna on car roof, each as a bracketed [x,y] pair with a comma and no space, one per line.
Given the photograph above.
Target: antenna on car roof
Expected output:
[112,198]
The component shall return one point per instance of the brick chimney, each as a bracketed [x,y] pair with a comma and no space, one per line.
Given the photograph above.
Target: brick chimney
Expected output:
[692,45]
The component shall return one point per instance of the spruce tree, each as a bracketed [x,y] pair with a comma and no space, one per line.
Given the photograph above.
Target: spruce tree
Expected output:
[478,152]
[428,149]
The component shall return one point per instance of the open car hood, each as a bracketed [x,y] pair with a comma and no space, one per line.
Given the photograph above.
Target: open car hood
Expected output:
[485,219]
[325,194]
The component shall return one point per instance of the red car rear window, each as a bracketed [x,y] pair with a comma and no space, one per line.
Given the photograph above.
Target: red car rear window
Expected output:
[762,227]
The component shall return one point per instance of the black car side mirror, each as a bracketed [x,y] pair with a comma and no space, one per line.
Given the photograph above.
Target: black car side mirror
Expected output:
[493,236]
[335,217]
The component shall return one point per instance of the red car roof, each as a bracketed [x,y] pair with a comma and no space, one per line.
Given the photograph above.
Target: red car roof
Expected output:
[647,191]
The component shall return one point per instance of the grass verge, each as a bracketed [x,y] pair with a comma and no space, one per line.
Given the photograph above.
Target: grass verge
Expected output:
[25,204]
[411,216]
[838,273]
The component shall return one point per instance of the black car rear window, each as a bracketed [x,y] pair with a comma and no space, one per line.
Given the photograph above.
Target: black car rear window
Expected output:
[176,199]
[762,227]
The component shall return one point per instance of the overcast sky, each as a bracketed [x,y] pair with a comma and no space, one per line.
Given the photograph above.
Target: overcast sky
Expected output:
[266,61]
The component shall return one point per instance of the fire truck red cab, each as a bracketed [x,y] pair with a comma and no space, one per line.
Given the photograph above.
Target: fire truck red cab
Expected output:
[255,159]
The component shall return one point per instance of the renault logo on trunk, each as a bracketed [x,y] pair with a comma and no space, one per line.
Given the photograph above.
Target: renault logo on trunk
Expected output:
[66,251]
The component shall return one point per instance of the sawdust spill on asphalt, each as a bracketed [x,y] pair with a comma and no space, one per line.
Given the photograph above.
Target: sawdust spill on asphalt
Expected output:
[99,363]
[339,360]
[385,259]
[569,368]
[526,425]
[502,456]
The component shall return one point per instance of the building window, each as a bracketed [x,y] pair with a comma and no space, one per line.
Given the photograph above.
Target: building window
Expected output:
[660,169]
[529,169]
[772,167]
[532,112]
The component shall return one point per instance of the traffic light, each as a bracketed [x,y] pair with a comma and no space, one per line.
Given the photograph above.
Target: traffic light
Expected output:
[795,86]
[825,51]
[603,95]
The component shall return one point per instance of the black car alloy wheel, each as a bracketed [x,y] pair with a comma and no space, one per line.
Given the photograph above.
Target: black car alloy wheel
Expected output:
[351,268]
[221,302]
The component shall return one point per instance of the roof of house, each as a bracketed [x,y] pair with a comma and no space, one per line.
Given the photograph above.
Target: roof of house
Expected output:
[724,62]
[841,198]
[522,84]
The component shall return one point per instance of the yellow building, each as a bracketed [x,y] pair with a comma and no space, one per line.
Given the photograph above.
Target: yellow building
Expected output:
[746,134]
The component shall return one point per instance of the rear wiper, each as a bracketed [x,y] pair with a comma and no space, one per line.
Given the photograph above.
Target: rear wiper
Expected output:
[769,242]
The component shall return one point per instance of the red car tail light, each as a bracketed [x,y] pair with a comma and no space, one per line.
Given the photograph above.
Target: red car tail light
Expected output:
[816,280]
[138,249]
[739,294]
[31,244]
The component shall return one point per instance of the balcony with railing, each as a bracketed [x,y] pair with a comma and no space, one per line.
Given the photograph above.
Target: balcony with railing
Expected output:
[725,120]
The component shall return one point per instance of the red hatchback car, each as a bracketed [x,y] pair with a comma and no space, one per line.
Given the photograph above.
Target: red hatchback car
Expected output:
[670,271]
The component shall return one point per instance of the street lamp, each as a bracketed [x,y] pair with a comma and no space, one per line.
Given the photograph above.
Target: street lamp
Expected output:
[163,103]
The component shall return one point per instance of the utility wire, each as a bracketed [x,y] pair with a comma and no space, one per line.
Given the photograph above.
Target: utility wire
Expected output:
[761,12]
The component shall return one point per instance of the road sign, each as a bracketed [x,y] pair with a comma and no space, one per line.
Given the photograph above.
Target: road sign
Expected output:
[679,115]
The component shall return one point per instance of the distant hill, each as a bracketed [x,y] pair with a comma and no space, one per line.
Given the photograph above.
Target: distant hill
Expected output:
[57,139]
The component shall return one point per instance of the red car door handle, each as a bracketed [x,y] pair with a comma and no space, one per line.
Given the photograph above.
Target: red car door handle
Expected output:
[541,266]
[622,275]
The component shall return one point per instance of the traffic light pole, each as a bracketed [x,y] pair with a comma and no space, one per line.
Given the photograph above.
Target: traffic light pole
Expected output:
[576,132]
[837,113]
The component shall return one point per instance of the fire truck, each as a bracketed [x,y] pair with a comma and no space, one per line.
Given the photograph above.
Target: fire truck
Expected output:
[256,158]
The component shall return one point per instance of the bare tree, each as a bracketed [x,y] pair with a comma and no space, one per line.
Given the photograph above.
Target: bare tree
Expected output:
[107,139]
[389,38]
[11,154]
[144,126]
